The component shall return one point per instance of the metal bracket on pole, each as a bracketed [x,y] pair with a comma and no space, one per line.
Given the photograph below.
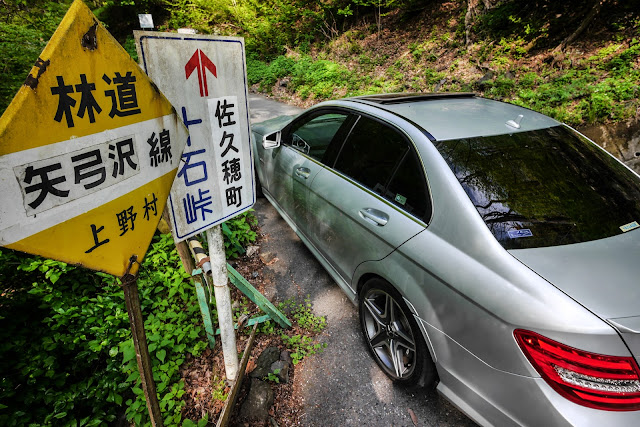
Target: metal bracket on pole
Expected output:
[259,299]
[132,301]
[204,294]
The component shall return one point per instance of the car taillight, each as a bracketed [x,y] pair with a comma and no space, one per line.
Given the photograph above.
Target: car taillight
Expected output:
[589,379]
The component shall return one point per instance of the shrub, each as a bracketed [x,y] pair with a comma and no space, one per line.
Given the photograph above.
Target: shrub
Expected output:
[66,349]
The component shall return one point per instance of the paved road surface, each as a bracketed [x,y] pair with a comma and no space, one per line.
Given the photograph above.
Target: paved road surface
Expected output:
[341,386]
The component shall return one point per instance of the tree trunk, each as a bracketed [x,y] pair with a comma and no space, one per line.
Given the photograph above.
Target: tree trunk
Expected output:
[595,9]
[472,12]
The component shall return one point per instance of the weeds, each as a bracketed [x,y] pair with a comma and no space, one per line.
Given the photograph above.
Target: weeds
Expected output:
[218,389]
[301,346]
[273,376]
[76,362]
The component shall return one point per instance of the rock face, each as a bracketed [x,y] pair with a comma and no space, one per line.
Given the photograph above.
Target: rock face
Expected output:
[281,370]
[256,406]
[622,140]
[260,399]
[264,362]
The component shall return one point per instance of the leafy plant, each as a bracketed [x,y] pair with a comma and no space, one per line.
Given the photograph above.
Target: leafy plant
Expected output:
[218,389]
[302,313]
[301,346]
[68,357]
[19,48]
[273,376]
[203,422]
[238,233]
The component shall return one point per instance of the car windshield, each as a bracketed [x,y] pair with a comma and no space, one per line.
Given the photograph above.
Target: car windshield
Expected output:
[545,187]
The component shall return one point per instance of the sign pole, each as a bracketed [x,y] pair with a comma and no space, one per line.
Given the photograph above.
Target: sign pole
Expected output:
[223,301]
[132,301]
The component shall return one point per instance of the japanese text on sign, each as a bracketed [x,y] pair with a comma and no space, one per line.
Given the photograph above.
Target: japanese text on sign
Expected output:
[226,134]
[61,179]
[121,97]
[125,221]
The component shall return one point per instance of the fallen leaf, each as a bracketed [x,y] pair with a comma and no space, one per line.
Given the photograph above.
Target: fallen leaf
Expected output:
[414,418]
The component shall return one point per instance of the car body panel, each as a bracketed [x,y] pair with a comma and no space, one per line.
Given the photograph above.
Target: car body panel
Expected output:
[496,398]
[342,229]
[467,292]
[344,285]
[466,117]
[629,329]
[591,272]
[489,300]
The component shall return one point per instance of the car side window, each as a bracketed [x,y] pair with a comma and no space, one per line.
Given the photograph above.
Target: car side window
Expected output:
[408,188]
[312,137]
[381,158]
[371,154]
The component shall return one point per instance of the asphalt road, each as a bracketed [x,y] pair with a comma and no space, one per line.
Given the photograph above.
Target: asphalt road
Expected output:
[341,386]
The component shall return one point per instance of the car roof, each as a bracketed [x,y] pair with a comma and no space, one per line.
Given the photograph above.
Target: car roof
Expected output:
[458,115]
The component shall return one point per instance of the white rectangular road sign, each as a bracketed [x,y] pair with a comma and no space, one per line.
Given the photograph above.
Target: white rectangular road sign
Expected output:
[205,78]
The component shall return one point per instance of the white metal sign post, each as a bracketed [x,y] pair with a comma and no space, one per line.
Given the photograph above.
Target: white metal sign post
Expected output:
[205,78]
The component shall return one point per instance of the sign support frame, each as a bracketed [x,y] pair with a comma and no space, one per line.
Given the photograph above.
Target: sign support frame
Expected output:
[223,300]
[132,302]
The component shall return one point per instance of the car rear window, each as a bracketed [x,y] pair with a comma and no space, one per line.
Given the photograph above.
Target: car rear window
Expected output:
[546,187]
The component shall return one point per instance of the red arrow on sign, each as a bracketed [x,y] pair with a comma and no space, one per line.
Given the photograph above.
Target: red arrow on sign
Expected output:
[200,62]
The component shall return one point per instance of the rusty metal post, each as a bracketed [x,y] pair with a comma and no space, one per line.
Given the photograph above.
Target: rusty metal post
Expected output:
[132,301]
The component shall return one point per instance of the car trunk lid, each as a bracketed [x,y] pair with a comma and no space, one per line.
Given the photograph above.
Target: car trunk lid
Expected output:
[629,329]
[602,275]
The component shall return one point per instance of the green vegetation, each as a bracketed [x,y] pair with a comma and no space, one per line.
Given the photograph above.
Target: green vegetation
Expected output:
[303,315]
[203,422]
[312,52]
[300,340]
[273,376]
[24,31]
[238,233]
[67,354]
[218,389]
[586,88]
[301,346]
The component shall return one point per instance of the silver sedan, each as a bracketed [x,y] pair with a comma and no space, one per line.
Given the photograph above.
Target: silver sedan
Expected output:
[492,251]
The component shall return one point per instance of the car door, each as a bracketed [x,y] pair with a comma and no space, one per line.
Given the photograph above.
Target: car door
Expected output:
[295,165]
[372,199]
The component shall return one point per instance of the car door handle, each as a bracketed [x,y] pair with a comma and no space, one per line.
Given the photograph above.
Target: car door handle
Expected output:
[374,216]
[303,173]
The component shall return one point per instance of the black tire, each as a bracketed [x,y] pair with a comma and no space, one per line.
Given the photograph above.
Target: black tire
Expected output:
[390,330]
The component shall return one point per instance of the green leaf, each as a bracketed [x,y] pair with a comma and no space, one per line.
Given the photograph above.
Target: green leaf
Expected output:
[128,352]
[161,354]
[204,421]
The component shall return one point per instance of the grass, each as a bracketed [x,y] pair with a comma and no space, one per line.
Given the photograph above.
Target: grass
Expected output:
[599,88]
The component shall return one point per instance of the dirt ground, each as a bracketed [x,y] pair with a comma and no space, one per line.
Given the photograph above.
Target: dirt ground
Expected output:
[204,376]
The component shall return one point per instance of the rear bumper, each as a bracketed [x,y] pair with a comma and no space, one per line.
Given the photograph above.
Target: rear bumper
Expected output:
[492,397]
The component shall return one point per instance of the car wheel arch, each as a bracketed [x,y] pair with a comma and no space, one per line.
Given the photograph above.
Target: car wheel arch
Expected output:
[427,375]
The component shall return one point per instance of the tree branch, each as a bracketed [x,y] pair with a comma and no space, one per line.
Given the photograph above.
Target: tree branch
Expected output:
[595,9]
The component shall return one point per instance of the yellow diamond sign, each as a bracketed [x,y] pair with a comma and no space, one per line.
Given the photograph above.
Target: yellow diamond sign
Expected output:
[89,148]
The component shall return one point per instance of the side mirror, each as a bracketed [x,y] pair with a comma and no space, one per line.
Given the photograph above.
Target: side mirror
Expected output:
[271,140]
